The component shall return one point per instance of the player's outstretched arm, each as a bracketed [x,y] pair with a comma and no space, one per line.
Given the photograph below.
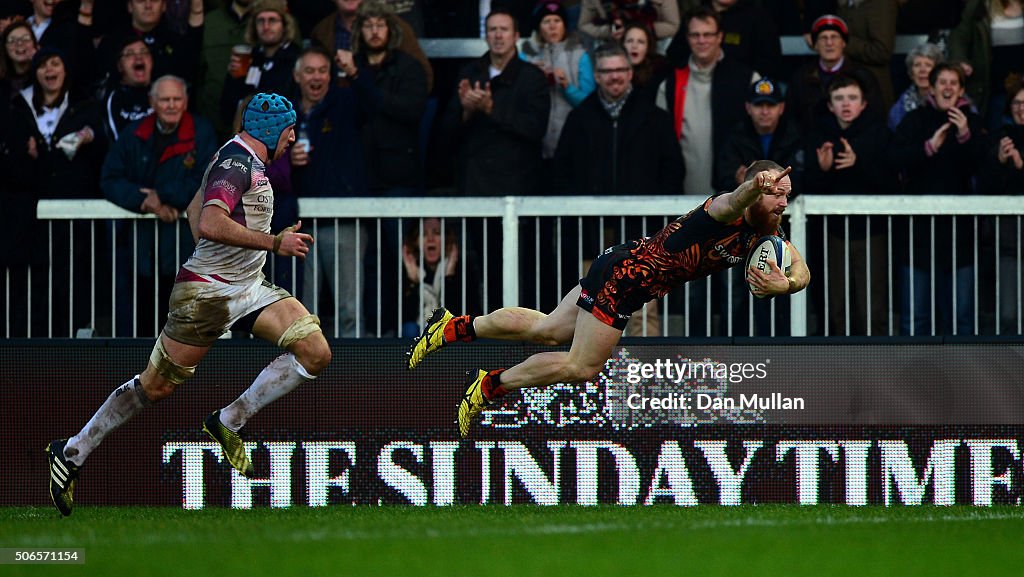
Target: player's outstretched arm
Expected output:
[730,206]
[216,225]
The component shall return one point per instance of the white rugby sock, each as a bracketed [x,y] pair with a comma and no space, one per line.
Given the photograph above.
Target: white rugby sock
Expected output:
[121,405]
[281,376]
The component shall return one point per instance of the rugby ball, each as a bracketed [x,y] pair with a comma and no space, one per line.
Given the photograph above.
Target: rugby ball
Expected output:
[769,248]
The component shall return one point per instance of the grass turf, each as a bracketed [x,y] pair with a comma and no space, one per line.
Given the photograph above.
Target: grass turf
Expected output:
[524,540]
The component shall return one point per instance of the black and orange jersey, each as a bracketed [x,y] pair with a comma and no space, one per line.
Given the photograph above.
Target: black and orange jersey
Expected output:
[691,247]
[695,245]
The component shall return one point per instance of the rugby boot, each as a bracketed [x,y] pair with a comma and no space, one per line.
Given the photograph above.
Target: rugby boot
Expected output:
[432,338]
[63,474]
[473,401]
[230,443]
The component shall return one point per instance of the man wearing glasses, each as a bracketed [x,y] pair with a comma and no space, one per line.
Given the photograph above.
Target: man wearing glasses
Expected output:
[614,118]
[706,99]
[617,142]
[277,42]
[128,99]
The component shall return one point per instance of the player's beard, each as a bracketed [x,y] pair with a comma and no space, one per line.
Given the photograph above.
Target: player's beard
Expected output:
[764,221]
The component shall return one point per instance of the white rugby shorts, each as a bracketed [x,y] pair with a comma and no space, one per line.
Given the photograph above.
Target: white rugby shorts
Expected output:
[204,307]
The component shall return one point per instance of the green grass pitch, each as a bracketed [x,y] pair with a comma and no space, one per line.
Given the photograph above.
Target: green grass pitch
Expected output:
[524,540]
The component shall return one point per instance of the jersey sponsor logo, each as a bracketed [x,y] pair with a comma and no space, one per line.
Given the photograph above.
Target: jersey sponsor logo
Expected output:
[230,162]
[225,186]
[725,254]
[586,297]
[133,114]
[262,182]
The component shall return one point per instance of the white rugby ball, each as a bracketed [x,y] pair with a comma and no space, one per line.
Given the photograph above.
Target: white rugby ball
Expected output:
[769,248]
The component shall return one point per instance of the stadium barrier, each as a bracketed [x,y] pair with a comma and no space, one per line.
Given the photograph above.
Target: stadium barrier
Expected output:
[673,422]
[530,251]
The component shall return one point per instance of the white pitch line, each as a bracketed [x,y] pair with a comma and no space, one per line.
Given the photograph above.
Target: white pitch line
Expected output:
[528,528]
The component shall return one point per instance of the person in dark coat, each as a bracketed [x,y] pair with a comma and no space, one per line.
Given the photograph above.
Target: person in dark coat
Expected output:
[327,161]
[1003,173]
[939,146]
[61,133]
[846,154]
[19,198]
[391,89]
[706,99]
[763,133]
[155,167]
[808,91]
[617,142]
[499,120]
[274,35]
[494,129]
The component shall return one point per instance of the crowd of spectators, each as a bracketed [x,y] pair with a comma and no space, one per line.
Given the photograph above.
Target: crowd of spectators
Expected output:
[128,100]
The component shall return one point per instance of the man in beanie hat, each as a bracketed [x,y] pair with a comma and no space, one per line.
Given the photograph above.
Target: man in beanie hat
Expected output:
[808,91]
[276,43]
[220,288]
[546,8]
[829,22]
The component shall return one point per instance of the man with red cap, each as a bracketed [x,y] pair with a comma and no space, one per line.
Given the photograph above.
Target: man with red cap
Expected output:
[808,91]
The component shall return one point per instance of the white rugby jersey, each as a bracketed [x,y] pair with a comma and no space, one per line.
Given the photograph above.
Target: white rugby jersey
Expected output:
[236,181]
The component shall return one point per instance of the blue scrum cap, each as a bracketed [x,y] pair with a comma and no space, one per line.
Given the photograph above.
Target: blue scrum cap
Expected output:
[266,117]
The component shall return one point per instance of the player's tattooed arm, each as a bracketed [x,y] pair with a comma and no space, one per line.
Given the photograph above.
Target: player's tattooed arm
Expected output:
[730,206]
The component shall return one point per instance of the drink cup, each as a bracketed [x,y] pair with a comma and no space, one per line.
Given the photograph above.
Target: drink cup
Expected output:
[243,54]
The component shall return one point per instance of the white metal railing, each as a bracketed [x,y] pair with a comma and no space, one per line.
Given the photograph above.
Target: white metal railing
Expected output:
[803,213]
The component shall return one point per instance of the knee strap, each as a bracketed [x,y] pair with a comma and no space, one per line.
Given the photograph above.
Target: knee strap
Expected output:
[301,328]
[167,368]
